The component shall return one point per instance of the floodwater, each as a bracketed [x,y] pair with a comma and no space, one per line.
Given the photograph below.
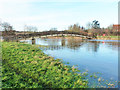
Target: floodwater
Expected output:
[98,58]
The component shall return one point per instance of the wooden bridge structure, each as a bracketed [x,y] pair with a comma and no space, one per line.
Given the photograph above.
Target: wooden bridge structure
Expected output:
[54,33]
[47,34]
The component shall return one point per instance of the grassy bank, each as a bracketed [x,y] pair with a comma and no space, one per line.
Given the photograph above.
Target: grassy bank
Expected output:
[108,37]
[26,66]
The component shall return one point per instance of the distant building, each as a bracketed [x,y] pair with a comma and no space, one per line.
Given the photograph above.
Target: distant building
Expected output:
[116,27]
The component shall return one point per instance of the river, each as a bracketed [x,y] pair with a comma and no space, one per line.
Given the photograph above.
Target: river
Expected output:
[98,58]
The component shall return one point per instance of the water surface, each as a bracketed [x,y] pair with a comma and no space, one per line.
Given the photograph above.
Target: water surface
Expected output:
[96,57]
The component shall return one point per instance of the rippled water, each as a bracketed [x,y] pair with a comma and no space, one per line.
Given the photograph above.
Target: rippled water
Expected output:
[96,57]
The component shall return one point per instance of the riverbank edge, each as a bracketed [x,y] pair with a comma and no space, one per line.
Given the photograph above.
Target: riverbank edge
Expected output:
[108,37]
[46,60]
[68,37]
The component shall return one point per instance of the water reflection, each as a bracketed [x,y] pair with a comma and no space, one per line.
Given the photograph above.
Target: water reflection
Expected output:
[33,41]
[75,44]
[63,42]
[93,45]
[92,55]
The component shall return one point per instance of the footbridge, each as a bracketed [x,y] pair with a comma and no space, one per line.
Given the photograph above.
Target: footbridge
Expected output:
[54,34]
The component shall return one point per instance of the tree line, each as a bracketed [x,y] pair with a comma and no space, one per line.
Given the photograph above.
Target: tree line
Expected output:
[92,29]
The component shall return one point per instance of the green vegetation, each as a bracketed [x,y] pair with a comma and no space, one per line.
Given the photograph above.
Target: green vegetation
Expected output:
[26,66]
[109,37]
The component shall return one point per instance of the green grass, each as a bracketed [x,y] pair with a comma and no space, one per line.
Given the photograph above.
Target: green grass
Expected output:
[109,37]
[26,66]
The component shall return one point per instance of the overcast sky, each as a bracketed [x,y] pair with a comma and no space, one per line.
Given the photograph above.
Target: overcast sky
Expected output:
[58,13]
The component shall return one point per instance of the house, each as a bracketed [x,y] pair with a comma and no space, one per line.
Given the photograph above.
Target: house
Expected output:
[116,27]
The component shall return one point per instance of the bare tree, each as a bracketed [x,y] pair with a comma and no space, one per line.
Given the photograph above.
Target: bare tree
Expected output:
[6,26]
[89,25]
[6,29]
[34,29]
[110,27]
[76,28]
[53,29]
[30,28]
